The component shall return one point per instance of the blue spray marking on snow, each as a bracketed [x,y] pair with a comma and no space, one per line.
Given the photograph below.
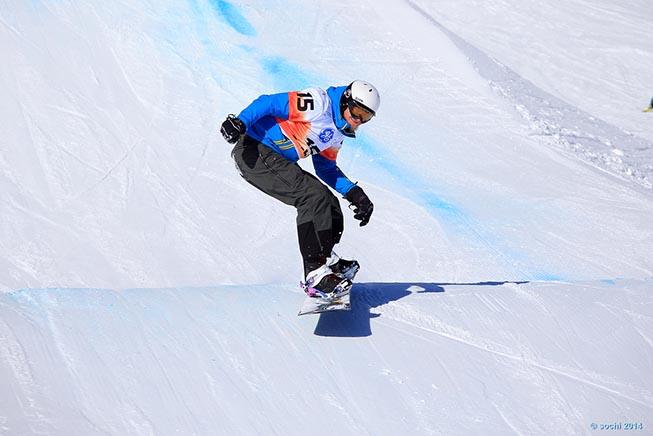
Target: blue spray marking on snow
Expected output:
[205,17]
[286,75]
[412,183]
[233,17]
[247,48]
[547,277]
[455,218]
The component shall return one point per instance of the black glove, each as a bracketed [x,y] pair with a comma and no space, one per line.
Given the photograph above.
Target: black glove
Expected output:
[363,207]
[232,128]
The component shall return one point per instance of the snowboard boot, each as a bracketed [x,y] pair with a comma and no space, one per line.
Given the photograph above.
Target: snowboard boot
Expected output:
[345,268]
[324,283]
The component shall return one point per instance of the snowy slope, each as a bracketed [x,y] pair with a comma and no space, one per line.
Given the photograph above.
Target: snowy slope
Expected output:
[506,281]
[422,358]
[595,54]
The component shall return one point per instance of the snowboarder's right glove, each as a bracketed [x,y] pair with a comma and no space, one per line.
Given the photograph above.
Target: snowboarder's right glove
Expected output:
[362,205]
[232,128]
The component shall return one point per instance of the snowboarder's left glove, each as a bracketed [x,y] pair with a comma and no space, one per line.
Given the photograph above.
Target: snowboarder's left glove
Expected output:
[362,205]
[232,128]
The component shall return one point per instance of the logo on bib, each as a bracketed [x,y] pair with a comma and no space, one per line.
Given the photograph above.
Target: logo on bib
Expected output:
[326,135]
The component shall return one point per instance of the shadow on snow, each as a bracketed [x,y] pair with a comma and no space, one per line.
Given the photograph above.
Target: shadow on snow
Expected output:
[366,296]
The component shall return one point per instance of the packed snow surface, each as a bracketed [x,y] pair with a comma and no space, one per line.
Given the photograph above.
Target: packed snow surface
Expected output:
[506,272]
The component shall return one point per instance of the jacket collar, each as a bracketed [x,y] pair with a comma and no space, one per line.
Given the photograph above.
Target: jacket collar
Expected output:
[335,94]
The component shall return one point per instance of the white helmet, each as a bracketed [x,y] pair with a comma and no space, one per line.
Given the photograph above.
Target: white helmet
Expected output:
[365,94]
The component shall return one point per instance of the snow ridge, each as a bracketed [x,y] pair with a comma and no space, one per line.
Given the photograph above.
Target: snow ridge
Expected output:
[559,123]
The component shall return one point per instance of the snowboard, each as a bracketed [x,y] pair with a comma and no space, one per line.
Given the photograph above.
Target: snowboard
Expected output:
[313,305]
[315,301]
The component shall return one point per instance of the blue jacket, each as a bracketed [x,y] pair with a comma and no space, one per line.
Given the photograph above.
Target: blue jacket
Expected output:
[299,124]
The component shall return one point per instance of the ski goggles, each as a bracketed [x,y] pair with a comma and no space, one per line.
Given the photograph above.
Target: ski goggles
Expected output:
[358,112]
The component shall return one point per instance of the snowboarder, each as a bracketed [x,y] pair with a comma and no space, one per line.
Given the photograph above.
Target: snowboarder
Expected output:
[273,133]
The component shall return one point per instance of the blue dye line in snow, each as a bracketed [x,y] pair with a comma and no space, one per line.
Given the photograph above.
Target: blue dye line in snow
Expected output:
[286,75]
[410,181]
[233,17]
[421,192]
[210,52]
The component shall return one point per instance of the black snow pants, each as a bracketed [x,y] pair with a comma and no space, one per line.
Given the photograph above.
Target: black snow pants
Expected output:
[319,217]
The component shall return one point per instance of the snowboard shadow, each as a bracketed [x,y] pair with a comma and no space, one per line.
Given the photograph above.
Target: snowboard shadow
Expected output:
[366,296]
